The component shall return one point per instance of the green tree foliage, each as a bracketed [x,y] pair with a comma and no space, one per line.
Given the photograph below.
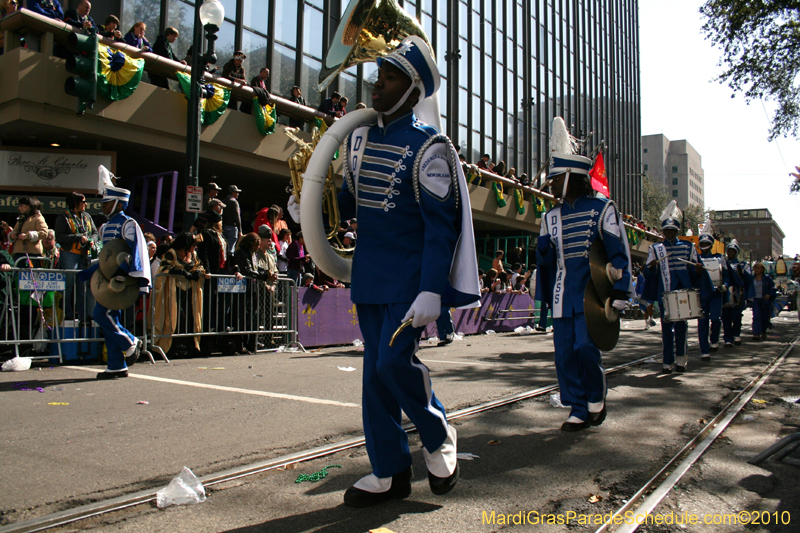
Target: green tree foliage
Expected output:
[760,42]
[655,199]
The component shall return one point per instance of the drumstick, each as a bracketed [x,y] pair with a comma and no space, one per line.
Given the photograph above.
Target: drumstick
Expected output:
[695,264]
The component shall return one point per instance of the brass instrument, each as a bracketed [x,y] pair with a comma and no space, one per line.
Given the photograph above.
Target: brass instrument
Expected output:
[369,29]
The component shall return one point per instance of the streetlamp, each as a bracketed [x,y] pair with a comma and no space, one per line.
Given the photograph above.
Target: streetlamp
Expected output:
[209,15]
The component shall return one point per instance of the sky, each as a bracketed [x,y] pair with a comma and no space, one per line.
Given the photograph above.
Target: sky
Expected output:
[681,100]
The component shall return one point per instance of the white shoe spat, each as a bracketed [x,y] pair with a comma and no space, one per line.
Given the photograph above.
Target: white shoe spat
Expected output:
[372,483]
[442,462]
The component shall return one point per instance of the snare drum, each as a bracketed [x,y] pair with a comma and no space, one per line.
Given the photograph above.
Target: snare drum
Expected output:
[714,269]
[682,304]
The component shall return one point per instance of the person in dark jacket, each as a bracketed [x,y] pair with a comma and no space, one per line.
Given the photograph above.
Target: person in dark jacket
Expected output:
[77,235]
[245,261]
[234,71]
[48,8]
[330,106]
[259,84]
[135,37]
[232,217]
[110,29]
[163,47]
[297,258]
[297,97]
[80,18]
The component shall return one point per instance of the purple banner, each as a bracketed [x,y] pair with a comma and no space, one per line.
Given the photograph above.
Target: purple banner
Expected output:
[330,318]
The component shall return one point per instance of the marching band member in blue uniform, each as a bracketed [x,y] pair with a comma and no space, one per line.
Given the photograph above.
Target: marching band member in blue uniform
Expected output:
[711,291]
[122,347]
[415,255]
[568,231]
[741,279]
[668,269]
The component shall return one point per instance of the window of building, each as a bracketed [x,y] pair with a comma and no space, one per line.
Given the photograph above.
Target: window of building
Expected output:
[674,181]
[645,150]
[674,193]
[674,170]
[758,231]
[645,168]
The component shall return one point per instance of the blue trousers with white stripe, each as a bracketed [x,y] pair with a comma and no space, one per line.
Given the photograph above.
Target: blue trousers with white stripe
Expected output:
[673,337]
[712,312]
[118,339]
[395,381]
[581,376]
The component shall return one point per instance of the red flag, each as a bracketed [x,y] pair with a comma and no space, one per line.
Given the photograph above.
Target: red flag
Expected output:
[598,175]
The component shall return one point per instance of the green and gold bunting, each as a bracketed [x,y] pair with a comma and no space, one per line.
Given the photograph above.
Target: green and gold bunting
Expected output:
[266,117]
[633,236]
[213,99]
[118,74]
[519,201]
[474,175]
[322,126]
[538,207]
[498,192]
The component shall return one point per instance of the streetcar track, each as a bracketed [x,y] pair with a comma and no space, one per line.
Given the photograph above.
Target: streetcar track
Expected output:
[84,512]
[672,472]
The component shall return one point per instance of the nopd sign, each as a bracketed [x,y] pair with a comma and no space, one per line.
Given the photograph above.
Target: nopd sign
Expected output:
[231,285]
[42,281]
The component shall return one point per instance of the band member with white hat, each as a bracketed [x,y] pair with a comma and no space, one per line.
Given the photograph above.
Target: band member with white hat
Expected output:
[668,269]
[568,231]
[714,284]
[741,279]
[415,255]
[122,347]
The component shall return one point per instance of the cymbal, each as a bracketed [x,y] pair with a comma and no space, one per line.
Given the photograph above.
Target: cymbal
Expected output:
[597,267]
[110,299]
[108,259]
[604,332]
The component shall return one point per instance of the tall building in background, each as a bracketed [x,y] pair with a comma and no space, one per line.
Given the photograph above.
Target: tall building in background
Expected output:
[507,68]
[677,166]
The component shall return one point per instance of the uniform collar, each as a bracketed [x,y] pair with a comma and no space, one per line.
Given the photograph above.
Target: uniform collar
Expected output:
[398,123]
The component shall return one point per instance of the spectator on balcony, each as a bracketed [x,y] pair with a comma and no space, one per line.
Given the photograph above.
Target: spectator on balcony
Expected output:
[259,85]
[232,218]
[163,47]
[342,106]
[111,29]
[330,106]
[48,8]
[297,97]
[135,37]
[500,168]
[483,163]
[7,7]
[79,17]
[512,175]
[234,71]
[360,105]
[29,230]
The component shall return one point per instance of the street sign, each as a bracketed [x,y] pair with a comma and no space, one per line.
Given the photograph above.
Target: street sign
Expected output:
[231,285]
[194,199]
[45,281]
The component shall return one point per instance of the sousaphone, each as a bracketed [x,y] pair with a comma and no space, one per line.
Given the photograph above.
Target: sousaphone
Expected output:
[369,29]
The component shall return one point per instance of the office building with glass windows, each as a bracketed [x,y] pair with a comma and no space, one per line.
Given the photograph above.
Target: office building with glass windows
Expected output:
[507,69]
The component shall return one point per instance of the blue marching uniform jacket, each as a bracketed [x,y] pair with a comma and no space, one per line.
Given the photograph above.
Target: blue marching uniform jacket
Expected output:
[711,301]
[567,234]
[403,181]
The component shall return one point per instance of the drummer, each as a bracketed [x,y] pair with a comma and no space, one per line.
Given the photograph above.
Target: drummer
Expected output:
[741,279]
[713,285]
[668,269]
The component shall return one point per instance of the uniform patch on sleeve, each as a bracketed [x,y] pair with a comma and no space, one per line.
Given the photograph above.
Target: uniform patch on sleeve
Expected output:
[610,223]
[434,172]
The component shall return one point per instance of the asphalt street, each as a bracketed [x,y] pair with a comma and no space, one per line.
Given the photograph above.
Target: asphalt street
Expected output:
[82,440]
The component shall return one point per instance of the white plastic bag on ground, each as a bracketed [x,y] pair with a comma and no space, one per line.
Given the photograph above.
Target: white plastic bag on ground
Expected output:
[523,330]
[490,332]
[17,364]
[358,343]
[184,488]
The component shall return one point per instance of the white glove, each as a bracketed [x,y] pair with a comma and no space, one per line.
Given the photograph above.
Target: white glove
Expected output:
[619,305]
[426,308]
[293,207]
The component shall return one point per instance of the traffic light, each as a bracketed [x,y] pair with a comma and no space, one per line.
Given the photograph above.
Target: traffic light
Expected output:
[83,63]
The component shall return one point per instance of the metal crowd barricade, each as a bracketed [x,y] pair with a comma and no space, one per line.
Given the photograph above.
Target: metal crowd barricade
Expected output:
[223,310]
[48,312]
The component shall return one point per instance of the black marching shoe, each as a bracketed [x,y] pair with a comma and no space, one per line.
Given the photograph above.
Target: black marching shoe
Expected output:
[443,485]
[666,369]
[113,375]
[680,369]
[595,419]
[572,427]
[400,489]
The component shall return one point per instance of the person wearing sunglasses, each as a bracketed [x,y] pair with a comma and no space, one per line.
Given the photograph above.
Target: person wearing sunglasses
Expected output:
[77,234]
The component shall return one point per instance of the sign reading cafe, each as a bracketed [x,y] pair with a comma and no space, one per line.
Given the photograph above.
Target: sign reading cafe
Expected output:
[20,169]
